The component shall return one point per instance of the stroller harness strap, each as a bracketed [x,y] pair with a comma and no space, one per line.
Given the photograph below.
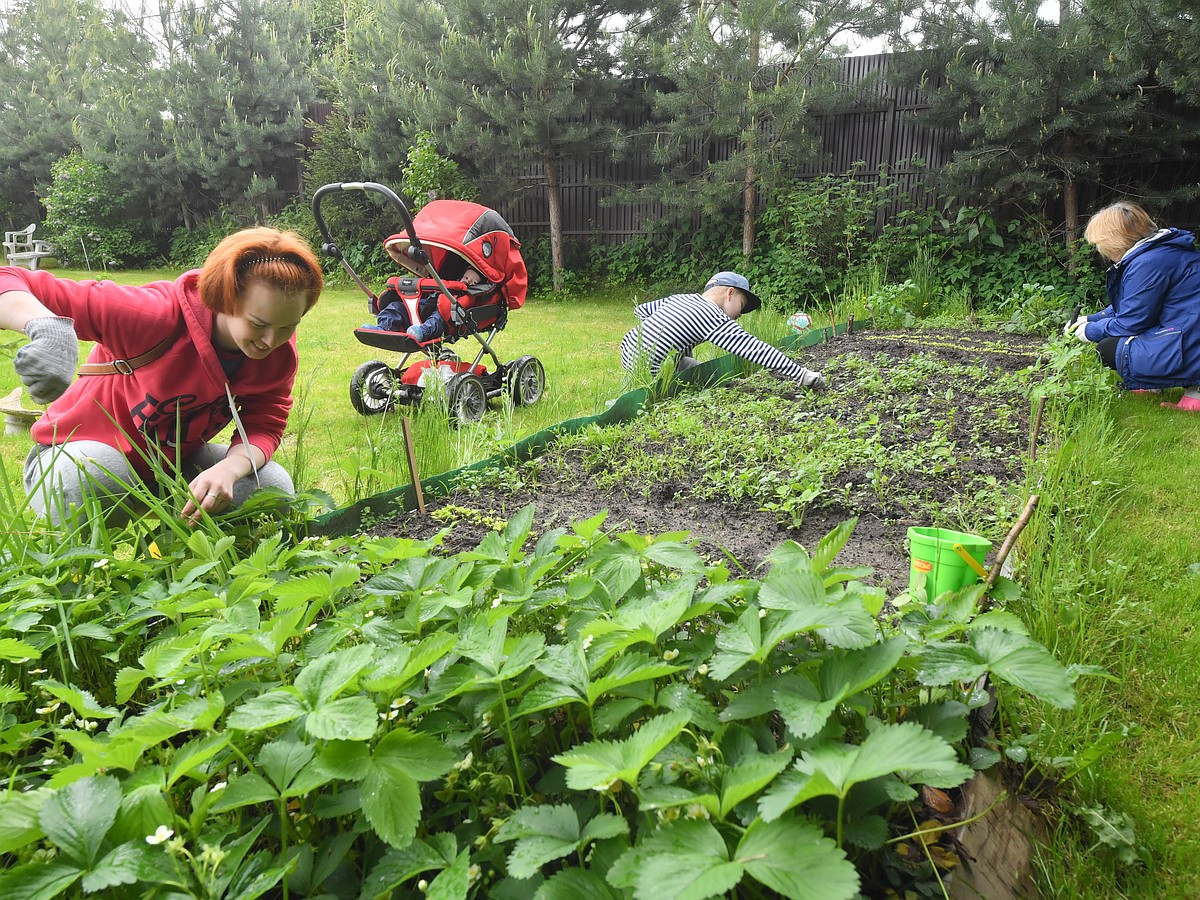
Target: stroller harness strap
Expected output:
[126,366]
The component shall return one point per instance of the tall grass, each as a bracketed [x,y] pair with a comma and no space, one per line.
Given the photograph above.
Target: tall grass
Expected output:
[1079,484]
[1105,563]
[1144,601]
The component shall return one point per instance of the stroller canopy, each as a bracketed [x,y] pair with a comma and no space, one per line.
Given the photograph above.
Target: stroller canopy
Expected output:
[458,234]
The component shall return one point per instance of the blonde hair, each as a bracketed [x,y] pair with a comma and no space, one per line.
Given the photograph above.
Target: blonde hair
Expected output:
[1116,228]
[277,258]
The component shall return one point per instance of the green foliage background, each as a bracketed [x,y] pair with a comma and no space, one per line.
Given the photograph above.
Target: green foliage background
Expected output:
[1044,114]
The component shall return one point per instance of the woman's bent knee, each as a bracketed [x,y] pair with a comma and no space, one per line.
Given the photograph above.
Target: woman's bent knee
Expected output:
[59,478]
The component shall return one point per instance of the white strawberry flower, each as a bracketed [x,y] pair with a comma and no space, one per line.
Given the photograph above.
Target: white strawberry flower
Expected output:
[161,833]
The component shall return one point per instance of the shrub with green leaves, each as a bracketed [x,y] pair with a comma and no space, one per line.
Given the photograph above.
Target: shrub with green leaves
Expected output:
[1036,309]
[89,219]
[575,713]
[812,233]
[978,255]
[338,155]
[190,247]
[427,175]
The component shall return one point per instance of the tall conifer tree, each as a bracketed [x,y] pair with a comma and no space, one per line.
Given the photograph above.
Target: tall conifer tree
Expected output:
[743,79]
[1045,111]
[502,84]
[58,60]
[239,83]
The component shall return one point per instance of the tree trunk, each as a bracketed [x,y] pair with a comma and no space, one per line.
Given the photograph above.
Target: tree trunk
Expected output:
[750,187]
[556,226]
[1070,202]
[749,204]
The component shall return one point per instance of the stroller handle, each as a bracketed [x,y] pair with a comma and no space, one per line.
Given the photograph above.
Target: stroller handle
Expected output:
[415,250]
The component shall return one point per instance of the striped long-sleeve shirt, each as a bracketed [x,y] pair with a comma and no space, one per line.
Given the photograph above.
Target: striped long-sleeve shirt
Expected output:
[681,322]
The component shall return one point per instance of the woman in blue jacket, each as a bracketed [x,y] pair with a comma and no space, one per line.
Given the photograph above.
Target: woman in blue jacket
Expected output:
[1150,331]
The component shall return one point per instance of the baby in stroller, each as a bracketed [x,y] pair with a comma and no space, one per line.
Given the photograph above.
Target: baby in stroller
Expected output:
[395,314]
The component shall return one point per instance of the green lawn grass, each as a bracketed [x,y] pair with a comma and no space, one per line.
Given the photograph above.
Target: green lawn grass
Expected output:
[330,447]
[1155,775]
[575,340]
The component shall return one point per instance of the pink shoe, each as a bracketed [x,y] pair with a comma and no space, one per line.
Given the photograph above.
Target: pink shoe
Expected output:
[1188,404]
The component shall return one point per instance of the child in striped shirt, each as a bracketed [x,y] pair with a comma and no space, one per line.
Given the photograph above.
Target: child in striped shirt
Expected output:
[681,322]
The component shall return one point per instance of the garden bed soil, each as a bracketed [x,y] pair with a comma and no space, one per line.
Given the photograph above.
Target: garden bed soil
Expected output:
[565,492]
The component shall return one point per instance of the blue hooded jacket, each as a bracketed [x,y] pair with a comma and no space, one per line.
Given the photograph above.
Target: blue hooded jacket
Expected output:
[1154,308]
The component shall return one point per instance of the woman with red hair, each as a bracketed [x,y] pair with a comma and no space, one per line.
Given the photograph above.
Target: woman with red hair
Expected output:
[174,363]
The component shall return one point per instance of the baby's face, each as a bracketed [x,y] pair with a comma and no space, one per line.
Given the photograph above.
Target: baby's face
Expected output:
[471,277]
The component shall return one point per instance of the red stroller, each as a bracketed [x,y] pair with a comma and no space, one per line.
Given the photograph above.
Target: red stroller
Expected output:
[438,246]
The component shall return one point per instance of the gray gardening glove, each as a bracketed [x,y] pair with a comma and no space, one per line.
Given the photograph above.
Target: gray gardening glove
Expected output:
[813,380]
[47,364]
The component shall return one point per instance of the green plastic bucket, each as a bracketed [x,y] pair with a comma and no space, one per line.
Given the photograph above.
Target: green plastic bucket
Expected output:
[932,553]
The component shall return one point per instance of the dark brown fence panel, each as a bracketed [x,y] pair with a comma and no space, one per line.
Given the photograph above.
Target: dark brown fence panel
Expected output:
[878,133]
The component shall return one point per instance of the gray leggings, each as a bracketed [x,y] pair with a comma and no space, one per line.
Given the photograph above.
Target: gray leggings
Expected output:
[57,478]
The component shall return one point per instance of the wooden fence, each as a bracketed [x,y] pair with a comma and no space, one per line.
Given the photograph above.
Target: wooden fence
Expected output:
[877,132]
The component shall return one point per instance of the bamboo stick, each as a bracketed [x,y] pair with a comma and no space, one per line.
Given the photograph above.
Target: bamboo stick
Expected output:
[1037,427]
[1006,547]
[410,452]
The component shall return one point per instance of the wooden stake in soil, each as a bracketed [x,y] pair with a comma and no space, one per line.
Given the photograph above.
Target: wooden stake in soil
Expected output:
[1037,427]
[1018,527]
[410,452]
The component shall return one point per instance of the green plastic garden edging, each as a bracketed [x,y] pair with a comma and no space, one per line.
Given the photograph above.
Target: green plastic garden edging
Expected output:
[402,499]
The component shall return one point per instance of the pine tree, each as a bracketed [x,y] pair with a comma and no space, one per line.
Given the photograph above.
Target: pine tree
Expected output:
[748,75]
[500,83]
[1163,36]
[239,83]
[124,129]
[1044,110]
[58,60]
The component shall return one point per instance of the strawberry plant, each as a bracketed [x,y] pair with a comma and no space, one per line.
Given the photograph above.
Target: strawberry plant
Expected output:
[580,712]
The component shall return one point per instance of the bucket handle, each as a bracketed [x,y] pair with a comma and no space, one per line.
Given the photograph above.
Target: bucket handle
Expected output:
[971,561]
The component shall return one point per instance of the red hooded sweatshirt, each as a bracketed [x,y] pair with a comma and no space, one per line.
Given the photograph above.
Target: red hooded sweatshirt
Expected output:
[178,401]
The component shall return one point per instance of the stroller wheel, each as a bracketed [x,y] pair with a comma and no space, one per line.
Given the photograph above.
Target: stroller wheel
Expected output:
[526,380]
[372,388]
[467,397]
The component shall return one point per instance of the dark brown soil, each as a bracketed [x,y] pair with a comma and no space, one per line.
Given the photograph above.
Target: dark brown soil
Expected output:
[989,435]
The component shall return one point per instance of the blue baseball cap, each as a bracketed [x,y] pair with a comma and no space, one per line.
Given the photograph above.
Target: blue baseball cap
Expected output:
[734,280]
